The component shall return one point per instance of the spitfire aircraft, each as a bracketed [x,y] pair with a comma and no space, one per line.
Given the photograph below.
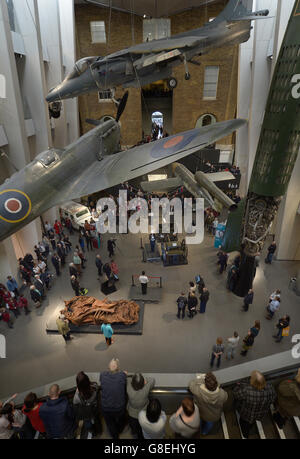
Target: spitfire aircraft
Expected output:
[93,163]
[148,62]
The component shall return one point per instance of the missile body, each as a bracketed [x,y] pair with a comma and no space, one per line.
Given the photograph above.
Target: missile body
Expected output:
[276,154]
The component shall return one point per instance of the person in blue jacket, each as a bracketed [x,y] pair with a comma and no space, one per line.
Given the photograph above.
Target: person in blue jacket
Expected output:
[57,415]
[12,285]
[108,333]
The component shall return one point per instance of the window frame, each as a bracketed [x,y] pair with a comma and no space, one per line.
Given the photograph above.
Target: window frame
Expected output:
[217,83]
[94,42]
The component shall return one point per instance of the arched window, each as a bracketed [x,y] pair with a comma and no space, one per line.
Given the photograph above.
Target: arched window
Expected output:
[157,119]
[206,120]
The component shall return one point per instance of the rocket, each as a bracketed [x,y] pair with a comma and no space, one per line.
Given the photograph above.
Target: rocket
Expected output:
[275,158]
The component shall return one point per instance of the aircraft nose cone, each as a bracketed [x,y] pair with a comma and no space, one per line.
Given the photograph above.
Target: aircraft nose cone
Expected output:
[53,95]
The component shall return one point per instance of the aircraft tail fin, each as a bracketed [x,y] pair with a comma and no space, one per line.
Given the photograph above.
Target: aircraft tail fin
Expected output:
[240,10]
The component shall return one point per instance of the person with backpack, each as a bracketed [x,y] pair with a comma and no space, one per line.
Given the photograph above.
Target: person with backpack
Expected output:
[282,324]
[181,305]
[86,402]
[248,343]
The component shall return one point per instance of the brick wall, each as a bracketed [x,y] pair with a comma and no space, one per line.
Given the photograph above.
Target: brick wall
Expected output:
[188,103]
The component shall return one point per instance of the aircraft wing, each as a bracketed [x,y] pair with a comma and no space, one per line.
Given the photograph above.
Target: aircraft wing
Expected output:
[141,160]
[220,176]
[156,46]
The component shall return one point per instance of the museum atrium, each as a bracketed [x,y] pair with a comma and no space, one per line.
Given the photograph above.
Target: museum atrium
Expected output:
[150,218]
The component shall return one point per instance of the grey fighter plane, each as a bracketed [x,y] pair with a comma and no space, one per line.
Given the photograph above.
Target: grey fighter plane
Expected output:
[93,163]
[152,61]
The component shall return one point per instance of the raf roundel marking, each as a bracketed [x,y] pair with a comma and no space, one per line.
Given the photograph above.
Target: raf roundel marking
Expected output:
[173,142]
[15,206]
[172,145]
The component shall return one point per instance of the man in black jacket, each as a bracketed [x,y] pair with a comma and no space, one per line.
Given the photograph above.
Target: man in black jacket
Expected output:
[248,300]
[203,300]
[99,265]
[271,250]
[181,304]
[57,415]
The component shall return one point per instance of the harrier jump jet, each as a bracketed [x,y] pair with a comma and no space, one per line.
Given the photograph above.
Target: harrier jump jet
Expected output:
[93,163]
[145,63]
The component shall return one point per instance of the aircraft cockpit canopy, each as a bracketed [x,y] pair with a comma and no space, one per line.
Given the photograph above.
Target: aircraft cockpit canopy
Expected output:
[81,66]
[49,158]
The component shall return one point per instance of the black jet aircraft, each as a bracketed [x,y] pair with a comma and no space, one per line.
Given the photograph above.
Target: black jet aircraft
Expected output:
[93,163]
[152,61]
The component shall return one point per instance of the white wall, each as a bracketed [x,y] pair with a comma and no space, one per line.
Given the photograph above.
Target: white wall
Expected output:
[68,40]
[47,30]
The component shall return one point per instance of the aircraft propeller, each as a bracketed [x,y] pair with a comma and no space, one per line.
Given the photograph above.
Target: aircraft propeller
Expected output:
[121,108]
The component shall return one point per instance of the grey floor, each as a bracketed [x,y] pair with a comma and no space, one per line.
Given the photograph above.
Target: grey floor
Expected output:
[167,345]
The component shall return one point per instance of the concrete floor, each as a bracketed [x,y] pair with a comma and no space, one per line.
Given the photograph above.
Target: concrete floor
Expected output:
[168,345]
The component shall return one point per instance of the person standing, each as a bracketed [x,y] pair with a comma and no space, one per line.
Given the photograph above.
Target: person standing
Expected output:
[6,317]
[88,240]
[57,415]
[63,327]
[52,240]
[110,247]
[192,305]
[144,282]
[39,285]
[138,389]
[271,250]
[232,278]
[56,263]
[288,400]
[210,399]
[75,285]
[181,305]
[186,420]
[36,296]
[233,342]
[31,409]
[192,288]
[73,270]
[77,262]
[57,227]
[223,258]
[273,307]
[283,324]
[248,343]
[204,297]
[248,299]
[217,351]
[115,270]
[253,401]
[99,265]
[12,286]
[21,303]
[113,397]
[153,421]
[108,333]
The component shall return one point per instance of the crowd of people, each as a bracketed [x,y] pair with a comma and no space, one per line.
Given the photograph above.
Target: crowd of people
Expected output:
[119,398]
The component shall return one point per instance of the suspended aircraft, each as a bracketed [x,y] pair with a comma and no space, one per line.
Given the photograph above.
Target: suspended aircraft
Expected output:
[93,163]
[200,185]
[148,62]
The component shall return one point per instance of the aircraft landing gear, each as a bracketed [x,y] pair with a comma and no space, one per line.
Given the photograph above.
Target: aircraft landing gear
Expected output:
[172,83]
[187,75]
